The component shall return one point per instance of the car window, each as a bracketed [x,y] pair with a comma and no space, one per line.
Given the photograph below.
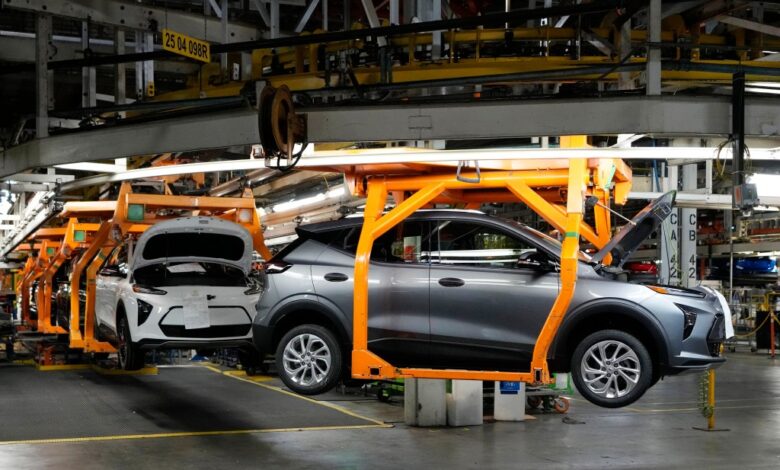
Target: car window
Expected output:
[117,259]
[471,244]
[407,242]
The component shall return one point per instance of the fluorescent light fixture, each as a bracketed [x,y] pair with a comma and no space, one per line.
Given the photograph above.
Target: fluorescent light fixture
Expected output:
[764,84]
[89,166]
[764,91]
[168,170]
[412,155]
[296,203]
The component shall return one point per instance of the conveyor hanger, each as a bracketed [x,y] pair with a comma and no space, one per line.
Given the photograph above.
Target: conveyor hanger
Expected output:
[541,185]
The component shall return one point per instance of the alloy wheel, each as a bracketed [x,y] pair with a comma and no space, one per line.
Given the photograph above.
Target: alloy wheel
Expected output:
[307,359]
[610,369]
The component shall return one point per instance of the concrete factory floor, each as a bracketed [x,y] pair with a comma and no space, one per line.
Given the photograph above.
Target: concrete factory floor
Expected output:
[657,432]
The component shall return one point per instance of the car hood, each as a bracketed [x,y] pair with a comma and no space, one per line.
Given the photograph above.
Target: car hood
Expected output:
[192,239]
[633,234]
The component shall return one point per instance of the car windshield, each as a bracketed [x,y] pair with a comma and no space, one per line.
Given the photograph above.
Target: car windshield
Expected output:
[190,274]
[549,242]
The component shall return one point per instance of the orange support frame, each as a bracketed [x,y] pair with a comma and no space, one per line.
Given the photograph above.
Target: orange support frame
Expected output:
[49,242]
[68,248]
[581,178]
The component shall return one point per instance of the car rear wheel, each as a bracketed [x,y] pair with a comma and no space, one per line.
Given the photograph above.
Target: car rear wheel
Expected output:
[131,357]
[611,368]
[309,359]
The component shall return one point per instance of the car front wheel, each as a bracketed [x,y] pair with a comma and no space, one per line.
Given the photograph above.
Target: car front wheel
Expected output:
[611,368]
[131,357]
[309,359]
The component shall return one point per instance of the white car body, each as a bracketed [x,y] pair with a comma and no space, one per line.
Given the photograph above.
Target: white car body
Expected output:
[203,314]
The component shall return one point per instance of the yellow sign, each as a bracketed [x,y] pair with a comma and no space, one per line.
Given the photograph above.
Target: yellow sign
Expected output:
[184,45]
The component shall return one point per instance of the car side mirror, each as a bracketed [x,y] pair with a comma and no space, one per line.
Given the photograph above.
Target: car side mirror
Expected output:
[111,271]
[538,262]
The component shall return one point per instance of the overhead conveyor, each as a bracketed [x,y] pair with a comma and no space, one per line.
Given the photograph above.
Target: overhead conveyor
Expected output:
[555,189]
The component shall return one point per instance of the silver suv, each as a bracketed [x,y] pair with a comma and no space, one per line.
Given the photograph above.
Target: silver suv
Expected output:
[463,290]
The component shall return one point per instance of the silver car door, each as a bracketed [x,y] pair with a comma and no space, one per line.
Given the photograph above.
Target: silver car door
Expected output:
[486,308]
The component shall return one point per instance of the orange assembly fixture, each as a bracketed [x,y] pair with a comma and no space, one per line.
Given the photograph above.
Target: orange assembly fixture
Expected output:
[554,189]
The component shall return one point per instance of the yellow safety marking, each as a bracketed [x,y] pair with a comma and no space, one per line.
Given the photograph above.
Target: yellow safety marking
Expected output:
[56,367]
[253,378]
[188,434]
[144,371]
[24,362]
[301,397]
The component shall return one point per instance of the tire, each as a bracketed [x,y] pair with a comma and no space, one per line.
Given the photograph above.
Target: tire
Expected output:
[130,356]
[298,367]
[611,386]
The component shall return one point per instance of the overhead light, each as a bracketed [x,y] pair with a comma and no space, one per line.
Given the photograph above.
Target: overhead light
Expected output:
[294,204]
[94,167]
[765,91]
[764,84]
[407,155]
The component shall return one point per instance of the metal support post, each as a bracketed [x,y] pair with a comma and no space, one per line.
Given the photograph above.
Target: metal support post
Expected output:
[324,15]
[139,66]
[670,260]
[738,127]
[624,78]
[436,45]
[223,59]
[120,85]
[88,74]
[43,78]
[394,7]
[410,6]
[149,65]
[688,232]
[653,70]
[274,19]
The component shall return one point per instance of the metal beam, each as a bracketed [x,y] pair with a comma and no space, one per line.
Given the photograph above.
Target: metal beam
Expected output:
[306,15]
[657,115]
[39,178]
[137,16]
[751,25]
[20,47]
[213,130]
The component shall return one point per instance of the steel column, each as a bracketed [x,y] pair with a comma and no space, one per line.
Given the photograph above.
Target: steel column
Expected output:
[653,72]
[43,78]
[688,230]
[88,74]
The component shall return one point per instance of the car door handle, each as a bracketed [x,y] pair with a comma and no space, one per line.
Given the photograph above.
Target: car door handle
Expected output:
[336,277]
[451,282]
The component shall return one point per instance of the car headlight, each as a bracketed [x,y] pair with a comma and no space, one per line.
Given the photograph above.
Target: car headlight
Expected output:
[144,310]
[141,289]
[255,286]
[689,319]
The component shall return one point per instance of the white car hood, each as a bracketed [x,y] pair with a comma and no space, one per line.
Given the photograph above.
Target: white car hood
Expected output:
[235,250]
